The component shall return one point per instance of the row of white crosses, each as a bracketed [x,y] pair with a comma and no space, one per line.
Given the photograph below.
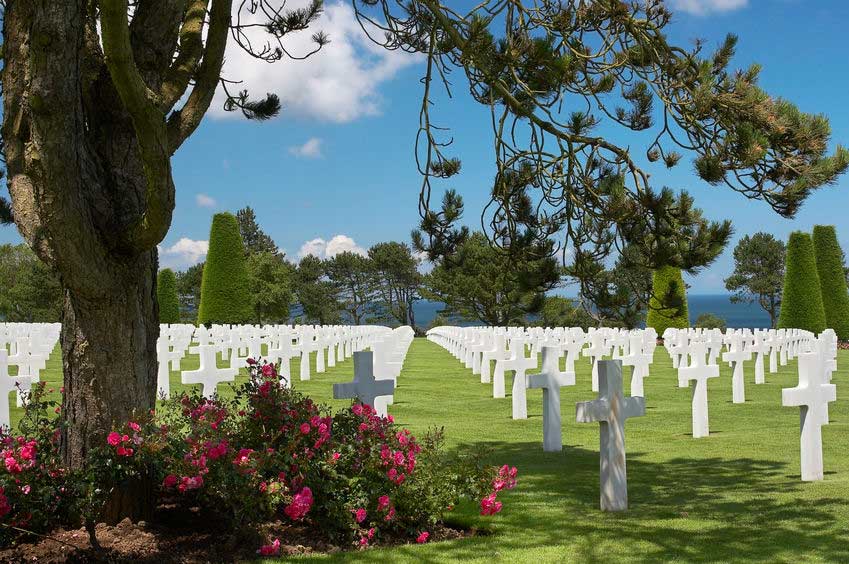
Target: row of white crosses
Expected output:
[27,346]
[235,344]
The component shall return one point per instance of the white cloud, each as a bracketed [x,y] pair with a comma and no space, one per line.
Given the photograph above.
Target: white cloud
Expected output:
[204,201]
[703,7]
[309,150]
[327,249]
[184,253]
[339,84]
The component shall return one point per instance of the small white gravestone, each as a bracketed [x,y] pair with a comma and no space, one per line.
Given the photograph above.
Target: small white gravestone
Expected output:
[737,355]
[208,374]
[551,379]
[759,348]
[611,410]
[9,384]
[698,373]
[307,345]
[812,395]
[596,351]
[364,387]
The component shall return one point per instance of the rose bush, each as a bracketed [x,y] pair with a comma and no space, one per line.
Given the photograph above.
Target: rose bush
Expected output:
[269,453]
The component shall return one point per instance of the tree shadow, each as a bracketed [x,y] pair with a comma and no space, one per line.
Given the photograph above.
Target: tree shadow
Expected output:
[691,510]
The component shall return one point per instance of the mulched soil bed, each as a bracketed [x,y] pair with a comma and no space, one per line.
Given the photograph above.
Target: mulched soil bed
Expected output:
[172,539]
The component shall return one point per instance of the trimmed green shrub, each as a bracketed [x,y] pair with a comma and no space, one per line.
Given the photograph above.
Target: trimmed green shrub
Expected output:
[835,296]
[166,293]
[224,290]
[801,305]
[668,302]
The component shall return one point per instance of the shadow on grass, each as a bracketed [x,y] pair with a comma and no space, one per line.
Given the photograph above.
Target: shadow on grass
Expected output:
[705,510]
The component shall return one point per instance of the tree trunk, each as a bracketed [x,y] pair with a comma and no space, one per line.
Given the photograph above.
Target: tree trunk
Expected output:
[109,356]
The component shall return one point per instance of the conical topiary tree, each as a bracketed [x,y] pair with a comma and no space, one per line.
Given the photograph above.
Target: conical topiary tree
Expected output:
[668,302]
[835,296]
[224,289]
[801,306]
[166,293]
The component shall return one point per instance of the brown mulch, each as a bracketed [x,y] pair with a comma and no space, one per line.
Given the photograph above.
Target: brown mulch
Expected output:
[178,537]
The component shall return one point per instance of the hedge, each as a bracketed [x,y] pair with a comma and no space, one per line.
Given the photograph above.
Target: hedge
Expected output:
[668,302]
[801,302]
[835,295]
[224,291]
[166,294]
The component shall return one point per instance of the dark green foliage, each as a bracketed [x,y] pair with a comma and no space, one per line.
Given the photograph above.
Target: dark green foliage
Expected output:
[270,279]
[188,289]
[166,294]
[668,302]
[558,311]
[398,282]
[29,291]
[317,296]
[710,321]
[254,238]
[355,283]
[758,272]
[483,283]
[225,289]
[619,295]
[801,306]
[831,272]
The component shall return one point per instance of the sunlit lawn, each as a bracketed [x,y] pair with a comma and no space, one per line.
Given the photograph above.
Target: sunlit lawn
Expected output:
[735,496]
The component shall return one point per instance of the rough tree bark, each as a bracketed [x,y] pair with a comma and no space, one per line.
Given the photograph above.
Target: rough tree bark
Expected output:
[88,154]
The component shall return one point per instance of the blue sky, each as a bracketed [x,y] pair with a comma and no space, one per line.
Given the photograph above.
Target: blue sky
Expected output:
[336,170]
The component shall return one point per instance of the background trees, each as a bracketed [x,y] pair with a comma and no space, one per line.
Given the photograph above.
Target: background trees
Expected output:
[481,282]
[758,272]
[397,279]
[270,285]
[29,291]
[356,287]
[668,303]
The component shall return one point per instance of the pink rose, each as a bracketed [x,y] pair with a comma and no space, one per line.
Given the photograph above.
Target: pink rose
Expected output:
[305,428]
[272,549]
[359,515]
[422,538]
[382,502]
[113,438]
[134,426]
[170,481]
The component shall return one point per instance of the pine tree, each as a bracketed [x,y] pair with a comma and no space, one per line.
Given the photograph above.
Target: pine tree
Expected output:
[801,306]
[668,302]
[254,238]
[166,294]
[225,289]
[830,269]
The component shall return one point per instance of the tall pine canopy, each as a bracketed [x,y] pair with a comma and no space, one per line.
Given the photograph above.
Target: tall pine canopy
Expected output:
[801,307]
[166,293]
[668,302]
[225,289]
[835,296]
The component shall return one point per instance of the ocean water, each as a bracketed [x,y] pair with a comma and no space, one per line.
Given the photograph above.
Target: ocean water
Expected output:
[735,315]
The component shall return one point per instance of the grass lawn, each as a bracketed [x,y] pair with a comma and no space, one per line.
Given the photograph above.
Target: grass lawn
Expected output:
[735,496]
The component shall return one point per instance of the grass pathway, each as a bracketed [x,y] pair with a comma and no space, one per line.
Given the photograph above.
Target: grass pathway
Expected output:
[735,496]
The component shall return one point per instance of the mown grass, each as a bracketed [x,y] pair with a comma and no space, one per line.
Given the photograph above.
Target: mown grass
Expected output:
[735,496]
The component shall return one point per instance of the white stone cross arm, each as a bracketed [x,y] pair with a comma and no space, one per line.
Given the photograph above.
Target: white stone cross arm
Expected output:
[364,387]
[551,379]
[611,410]
[8,384]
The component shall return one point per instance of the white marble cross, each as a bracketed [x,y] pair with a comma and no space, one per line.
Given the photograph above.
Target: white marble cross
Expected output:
[758,347]
[208,374]
[737,355]
[640,363]
[812,395]
[551,379]
[364,387]
[596,350]
[519,364]
[9,384]
[611,410]
[698,372]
